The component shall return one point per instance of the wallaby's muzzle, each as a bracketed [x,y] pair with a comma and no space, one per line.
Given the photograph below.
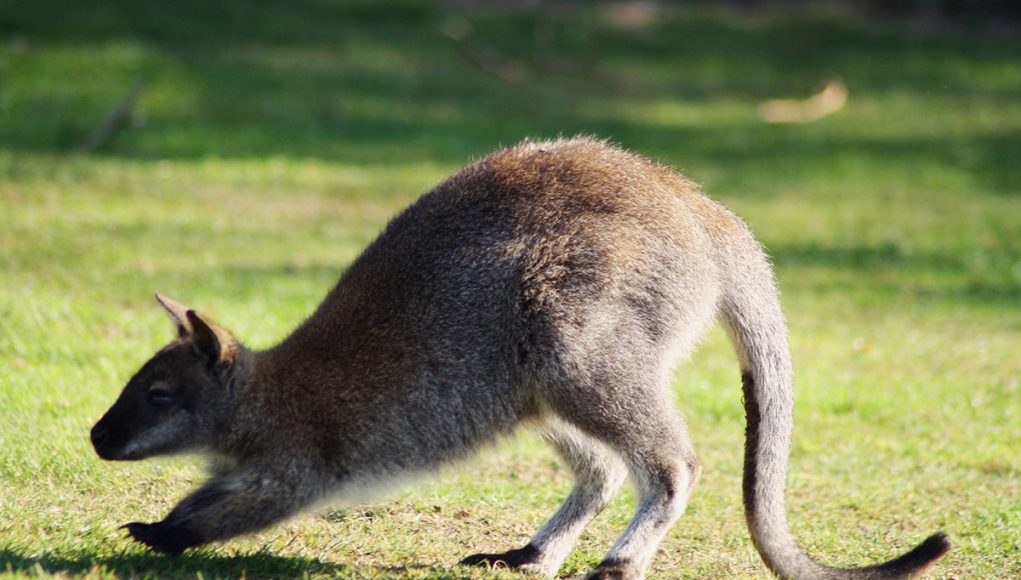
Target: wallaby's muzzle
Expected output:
[101,441]
[108,441]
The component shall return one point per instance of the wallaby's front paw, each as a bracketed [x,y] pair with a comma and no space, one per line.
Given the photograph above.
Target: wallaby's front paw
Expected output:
[163,538]
[510,559]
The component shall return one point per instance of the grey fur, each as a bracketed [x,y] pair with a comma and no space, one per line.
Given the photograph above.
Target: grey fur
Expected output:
[555,283]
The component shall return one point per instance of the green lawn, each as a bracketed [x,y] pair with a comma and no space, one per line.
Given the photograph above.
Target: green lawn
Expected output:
[274,139]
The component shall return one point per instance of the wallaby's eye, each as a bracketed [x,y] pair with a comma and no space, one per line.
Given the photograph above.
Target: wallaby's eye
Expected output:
[160,398]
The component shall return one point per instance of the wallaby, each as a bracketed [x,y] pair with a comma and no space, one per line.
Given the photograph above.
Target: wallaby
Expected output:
[555,283]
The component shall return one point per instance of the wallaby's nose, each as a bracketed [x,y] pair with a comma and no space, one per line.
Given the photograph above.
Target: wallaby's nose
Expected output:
[100,434]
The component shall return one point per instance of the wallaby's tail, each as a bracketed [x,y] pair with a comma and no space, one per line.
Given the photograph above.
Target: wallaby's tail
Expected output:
[752,315]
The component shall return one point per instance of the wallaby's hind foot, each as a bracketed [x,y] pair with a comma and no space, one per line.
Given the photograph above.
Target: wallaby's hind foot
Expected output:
[614,570]
[513,559]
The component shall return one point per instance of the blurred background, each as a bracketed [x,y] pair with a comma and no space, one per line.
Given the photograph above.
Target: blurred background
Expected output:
[237,155]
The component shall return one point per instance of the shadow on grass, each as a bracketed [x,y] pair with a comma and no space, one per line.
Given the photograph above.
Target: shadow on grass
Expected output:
[258,565]
[192,565]
[372,82]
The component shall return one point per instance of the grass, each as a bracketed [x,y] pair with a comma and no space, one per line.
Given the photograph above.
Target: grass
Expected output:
[275,139]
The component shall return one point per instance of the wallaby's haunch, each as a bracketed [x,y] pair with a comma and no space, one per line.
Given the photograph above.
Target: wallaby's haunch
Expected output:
[555,283]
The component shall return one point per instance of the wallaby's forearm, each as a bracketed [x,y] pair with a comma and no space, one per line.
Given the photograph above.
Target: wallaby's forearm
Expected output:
[226,506]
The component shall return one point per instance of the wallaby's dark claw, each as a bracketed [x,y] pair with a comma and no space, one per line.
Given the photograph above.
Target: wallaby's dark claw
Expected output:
[164,538]
[511,559]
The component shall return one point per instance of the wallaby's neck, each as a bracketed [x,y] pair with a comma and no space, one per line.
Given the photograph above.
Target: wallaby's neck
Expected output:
[241,374]
[238,386]
[328,340]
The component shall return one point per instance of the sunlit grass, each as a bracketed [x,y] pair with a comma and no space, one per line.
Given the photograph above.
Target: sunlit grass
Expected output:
[272,144]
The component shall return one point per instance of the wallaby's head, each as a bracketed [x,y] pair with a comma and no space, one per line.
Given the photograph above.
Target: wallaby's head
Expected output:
[177,401]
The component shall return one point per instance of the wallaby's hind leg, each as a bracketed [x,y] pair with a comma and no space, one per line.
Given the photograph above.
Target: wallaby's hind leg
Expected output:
[598,474]
[653,440]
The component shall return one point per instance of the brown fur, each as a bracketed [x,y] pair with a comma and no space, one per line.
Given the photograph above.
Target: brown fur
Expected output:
[555,283]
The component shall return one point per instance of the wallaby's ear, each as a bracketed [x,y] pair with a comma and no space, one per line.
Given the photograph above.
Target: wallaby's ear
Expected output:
[178,313]
[211,340]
